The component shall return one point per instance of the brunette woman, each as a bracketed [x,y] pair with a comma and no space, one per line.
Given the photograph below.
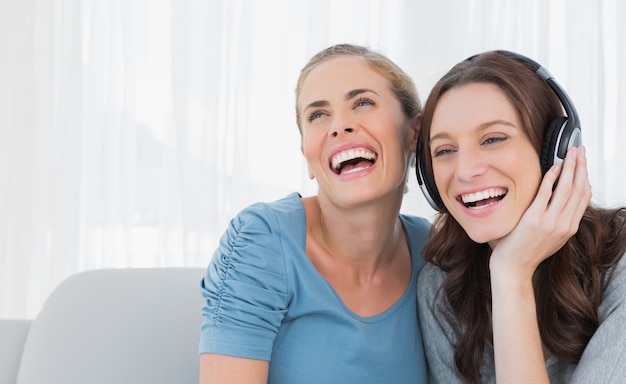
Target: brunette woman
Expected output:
[526,281]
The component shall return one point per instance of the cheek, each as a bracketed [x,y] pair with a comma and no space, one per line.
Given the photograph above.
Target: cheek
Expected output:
[530,184]
[442,174]
[527,167]
[311,144]
[306,149]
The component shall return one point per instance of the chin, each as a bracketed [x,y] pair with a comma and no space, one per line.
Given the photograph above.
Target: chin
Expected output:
[482,237]
[487,231]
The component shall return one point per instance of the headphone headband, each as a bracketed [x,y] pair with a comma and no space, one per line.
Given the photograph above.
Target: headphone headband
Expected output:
[545,74]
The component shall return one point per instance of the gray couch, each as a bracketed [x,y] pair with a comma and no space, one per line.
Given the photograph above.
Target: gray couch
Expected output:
[109,326]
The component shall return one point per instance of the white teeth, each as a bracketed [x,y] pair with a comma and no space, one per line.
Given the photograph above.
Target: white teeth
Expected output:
[482,195]
[350,155]
[357,169]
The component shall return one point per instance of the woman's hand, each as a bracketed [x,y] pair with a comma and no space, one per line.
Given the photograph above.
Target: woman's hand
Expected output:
[547,224]
[552,218]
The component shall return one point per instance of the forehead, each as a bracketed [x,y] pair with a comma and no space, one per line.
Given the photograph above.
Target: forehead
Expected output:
[339,75]
[471,105]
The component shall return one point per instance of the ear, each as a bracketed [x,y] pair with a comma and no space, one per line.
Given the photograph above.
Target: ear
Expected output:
[414,131]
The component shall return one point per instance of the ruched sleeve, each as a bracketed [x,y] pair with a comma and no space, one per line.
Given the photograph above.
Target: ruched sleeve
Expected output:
[244,289]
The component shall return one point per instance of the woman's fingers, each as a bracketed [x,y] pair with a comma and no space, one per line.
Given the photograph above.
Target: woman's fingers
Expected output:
[555,214]
[544,212]
[572,194]
[579,194]
[562,192]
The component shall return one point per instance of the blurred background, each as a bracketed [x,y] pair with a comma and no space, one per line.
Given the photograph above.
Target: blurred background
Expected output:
[131,131]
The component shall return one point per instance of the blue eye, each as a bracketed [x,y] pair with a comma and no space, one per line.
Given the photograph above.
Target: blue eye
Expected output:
[442,152]
[315,115]
[494,139]
[363,101]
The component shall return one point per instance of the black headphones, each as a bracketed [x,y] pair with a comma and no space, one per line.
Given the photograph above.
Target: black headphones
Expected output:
[562,134]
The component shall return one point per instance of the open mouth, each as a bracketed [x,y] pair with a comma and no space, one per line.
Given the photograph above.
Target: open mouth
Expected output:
[482,199]
[352,160]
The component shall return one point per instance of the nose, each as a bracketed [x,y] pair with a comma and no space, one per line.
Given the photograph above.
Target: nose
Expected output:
[337,132]
[341,125]
[470,165]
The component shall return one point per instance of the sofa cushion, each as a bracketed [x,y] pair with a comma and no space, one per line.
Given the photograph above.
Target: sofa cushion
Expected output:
[117,326]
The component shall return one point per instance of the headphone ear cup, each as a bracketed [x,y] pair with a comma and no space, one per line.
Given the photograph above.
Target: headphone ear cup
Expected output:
[551,142]
[426,180]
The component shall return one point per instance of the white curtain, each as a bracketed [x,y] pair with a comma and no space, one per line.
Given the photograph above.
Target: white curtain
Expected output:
[131,131]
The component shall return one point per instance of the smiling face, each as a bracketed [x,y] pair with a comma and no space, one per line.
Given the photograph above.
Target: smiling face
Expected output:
[355,138]
[485,167]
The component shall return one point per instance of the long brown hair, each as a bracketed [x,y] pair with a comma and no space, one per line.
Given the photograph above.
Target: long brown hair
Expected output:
[568,285]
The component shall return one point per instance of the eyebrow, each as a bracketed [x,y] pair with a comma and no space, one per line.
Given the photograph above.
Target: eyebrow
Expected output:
[479,128]
[348,96]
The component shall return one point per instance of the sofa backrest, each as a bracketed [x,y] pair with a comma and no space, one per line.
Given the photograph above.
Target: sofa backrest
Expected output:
[117,326]
[12,337]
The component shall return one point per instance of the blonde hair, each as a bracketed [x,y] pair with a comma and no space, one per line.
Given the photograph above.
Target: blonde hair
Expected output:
[400,82]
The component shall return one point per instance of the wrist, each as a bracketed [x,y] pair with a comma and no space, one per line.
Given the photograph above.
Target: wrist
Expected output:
[512,269]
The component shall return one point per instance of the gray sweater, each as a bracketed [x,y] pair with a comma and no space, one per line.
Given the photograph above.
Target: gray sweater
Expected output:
[603,361]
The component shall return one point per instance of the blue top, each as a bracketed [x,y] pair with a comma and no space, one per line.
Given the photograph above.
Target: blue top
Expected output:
[265,300]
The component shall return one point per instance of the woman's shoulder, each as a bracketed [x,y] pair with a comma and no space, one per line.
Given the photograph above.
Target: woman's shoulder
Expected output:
[613,301]
[265,228]
[429,280]
[433,309]
[416,226]
[255,245]
[286,213]
[417,221]
[615,282]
